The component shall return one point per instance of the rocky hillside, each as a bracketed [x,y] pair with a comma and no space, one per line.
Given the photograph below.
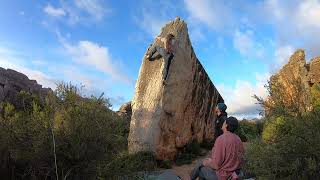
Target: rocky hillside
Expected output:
[12,82]
[314,71]
[297,69]
[166,118]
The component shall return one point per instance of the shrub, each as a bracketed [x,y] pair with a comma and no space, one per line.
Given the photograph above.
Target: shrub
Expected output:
[126,165]
[249,130]
[272,129]
[83,131]
[315,92]
[294,155]
[291,135]
[189,153]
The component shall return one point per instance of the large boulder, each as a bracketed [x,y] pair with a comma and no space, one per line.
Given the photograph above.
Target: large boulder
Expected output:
[166,118]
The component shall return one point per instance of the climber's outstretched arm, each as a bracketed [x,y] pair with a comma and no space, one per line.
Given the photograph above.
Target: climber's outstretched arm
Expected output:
[153,50]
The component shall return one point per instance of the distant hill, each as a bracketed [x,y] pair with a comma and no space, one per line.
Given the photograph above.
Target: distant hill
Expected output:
[13,82]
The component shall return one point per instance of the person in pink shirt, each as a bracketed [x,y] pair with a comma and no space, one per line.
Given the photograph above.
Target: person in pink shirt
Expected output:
[227,156]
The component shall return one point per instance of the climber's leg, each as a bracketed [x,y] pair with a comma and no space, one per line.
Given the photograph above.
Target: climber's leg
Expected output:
[168,63]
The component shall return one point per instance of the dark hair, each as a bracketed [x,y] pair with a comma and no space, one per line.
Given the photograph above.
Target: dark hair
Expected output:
[232,124]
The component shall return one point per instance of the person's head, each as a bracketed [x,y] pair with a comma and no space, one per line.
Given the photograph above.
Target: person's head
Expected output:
[220,108]
[169,41]
[231,124]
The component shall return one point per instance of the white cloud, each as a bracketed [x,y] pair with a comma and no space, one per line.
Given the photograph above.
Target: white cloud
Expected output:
[90,53]
[282,55]
[90,83]
[151,16]
[300,14]
[247,46]
[216,14]
[296,22]
[196,34]
[239,99]
[309,13]
[151,23]
[83,11]
[242,41]
[40,77]
[54,12]
[94,8]
[79,11]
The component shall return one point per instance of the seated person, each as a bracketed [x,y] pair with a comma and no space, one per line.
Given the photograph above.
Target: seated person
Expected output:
[227,156]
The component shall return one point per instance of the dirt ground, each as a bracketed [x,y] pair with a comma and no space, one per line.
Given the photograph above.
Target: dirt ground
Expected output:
[185,170]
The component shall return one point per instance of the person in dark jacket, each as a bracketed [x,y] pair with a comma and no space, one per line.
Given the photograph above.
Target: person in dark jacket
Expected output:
[221,113]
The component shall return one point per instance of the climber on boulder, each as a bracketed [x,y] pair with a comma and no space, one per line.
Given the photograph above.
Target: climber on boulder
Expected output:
[166,52]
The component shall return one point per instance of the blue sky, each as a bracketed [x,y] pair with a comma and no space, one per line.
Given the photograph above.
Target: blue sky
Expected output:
[100,43]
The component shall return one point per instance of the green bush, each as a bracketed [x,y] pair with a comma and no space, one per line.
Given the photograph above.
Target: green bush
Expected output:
[315,92]
[190,152]
[293,155]
[272,129]
[129,165]
[83,131]
[249,130]
[289,148]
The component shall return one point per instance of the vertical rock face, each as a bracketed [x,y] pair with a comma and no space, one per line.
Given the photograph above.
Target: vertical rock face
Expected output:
[314,71]
[298,69]
[166,118]
[295,69]
[125,111]
[12,82]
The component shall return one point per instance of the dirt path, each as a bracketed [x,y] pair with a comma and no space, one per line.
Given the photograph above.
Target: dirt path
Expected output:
[184,171]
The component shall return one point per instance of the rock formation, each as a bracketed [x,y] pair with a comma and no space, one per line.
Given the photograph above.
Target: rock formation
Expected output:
[314,71]
[297,69]
[166,118]
[125,111]
[12,82]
